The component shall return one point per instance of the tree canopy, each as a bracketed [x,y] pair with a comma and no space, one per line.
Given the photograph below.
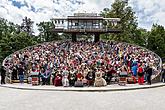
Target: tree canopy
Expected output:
[11,39]
[45,34]
[128,23]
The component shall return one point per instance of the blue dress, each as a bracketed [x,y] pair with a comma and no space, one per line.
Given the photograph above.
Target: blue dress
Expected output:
[134,70]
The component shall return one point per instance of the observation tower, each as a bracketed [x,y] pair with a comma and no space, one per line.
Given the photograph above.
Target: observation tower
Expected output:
[86,23]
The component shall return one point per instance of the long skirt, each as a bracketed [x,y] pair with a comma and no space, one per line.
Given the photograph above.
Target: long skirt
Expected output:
[141,80]
[65,82]
[57,82]
[99,82]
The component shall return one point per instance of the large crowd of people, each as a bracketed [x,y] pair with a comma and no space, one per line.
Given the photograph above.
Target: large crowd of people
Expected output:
[82,63]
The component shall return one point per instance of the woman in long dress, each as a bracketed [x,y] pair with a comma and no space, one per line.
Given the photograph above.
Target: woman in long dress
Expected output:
[99,81]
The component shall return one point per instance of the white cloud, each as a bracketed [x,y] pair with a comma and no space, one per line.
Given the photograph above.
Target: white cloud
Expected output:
[44,9]
[96,5]
[147,11]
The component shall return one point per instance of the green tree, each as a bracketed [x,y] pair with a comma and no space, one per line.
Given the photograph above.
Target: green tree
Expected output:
[11,40]
[3,27]
[27,26]
[142,37]
[156,40]
[128,24]
[45,32]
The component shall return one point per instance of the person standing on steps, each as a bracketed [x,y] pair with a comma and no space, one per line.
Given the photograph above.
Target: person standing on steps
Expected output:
[140,75]
[149,74]
[163,74]
[21,73]
[3,75]
[14,73]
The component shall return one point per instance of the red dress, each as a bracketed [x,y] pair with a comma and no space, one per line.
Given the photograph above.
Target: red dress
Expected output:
[140,75]
[58,80]
[80,76]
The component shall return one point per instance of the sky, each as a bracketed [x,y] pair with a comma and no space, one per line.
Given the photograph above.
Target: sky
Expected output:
[147,11]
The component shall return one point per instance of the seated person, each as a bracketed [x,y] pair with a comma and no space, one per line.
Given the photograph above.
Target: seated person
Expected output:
[42,72]
[99,81]
[109,73]
[79,82]
[46,77]
[65,81]
[72,79]
[54,72]
[90,78]
[58,80]
[14,73]
[123,72]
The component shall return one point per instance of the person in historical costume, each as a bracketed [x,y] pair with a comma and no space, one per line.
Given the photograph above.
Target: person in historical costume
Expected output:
[42,72]
[65,81]
[163,74]
[3,75]
[123,76]
[134,69]
[21,73]
[54,72]
[90,78]
[149,74]
[109,74]
[58,79]
[140,75]
[79,82]
[14,73]
[99,81]
[72,79]
[47,76]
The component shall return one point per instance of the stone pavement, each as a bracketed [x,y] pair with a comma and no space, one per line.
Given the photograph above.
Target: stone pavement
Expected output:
[112,87]
[144,99]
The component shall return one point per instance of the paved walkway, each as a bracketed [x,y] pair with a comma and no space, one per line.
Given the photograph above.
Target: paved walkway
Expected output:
[112,87]
[144,99]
